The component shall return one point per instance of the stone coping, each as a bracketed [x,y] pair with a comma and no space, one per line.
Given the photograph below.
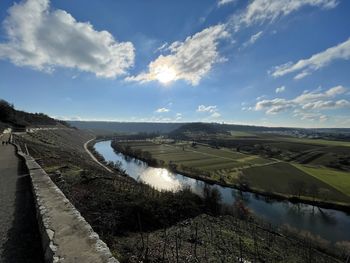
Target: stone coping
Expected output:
[65,234]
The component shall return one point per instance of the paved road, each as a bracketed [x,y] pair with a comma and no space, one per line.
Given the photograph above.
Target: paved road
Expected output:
[19,234]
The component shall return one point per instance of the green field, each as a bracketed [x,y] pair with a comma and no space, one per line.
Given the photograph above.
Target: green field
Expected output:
[337,179]
[317,141]
[215,161]
[242,134]
[263,174]
[291,179]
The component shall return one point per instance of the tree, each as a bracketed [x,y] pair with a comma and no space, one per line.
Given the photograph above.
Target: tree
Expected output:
[325,194]
[314,191]
[6,111]
[212,199]
[297,188]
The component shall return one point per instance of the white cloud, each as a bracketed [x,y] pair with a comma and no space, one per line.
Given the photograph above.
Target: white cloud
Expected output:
[224,2]
[280,89]
[44,39]
[260,11]
[302,75]
[320,105]
[247,108]
[162,110]
[260,97]
[215,115]
[337,90]
[310,96]
[252,39]
[164,46]
[190,60]
[310,116]
[178,116]
[315,62]
[274,106]
[212,109]
[203,108]
[323,118]
[306,104]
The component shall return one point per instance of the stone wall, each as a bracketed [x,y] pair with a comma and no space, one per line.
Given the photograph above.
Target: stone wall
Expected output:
[66,236]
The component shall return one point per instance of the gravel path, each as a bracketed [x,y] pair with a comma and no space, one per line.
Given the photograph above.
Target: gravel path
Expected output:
[19,234]
[94,158]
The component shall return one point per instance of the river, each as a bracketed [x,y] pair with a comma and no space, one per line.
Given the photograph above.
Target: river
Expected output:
[332,225]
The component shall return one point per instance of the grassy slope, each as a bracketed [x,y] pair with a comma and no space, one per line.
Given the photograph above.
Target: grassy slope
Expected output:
[284,177]
[337,179]
[242,134]
[57,148]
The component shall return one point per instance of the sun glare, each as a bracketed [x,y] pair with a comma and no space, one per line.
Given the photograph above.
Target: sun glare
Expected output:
[165,74]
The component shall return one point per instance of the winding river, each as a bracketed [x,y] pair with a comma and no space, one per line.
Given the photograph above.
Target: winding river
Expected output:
[329,224]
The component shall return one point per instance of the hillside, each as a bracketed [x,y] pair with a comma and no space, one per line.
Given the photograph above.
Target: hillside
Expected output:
[199,129]
[125,127]
[10,117]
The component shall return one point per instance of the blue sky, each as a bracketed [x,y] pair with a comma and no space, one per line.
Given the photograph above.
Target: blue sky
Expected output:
[260,62]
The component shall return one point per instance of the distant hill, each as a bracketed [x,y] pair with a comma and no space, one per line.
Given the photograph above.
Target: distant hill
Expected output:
[217,128]
[10,117]
[125,127]
[191,130]
[200,127]
[164,128]
[181,130]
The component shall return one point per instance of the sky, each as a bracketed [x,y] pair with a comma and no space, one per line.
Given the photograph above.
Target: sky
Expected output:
[257,62]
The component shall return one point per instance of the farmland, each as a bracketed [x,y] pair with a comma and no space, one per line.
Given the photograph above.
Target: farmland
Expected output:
[318,142]
[298,180]
[221,164]
[302,174]
[338,179]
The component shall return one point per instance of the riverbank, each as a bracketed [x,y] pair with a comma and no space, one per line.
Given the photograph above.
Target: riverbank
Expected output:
[345,207]
[270,195]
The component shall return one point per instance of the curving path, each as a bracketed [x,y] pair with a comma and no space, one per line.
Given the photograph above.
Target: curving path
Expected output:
[94,158]
[19,233]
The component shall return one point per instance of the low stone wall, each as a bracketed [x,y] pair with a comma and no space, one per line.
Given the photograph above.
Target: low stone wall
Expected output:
[66,236]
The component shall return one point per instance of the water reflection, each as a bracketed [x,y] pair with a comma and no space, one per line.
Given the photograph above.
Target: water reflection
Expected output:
[330,224]
[161,179]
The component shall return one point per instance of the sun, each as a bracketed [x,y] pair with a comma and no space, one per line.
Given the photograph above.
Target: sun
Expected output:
[165,74]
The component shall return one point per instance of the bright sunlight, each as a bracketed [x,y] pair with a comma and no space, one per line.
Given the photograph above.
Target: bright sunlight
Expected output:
[165,74]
